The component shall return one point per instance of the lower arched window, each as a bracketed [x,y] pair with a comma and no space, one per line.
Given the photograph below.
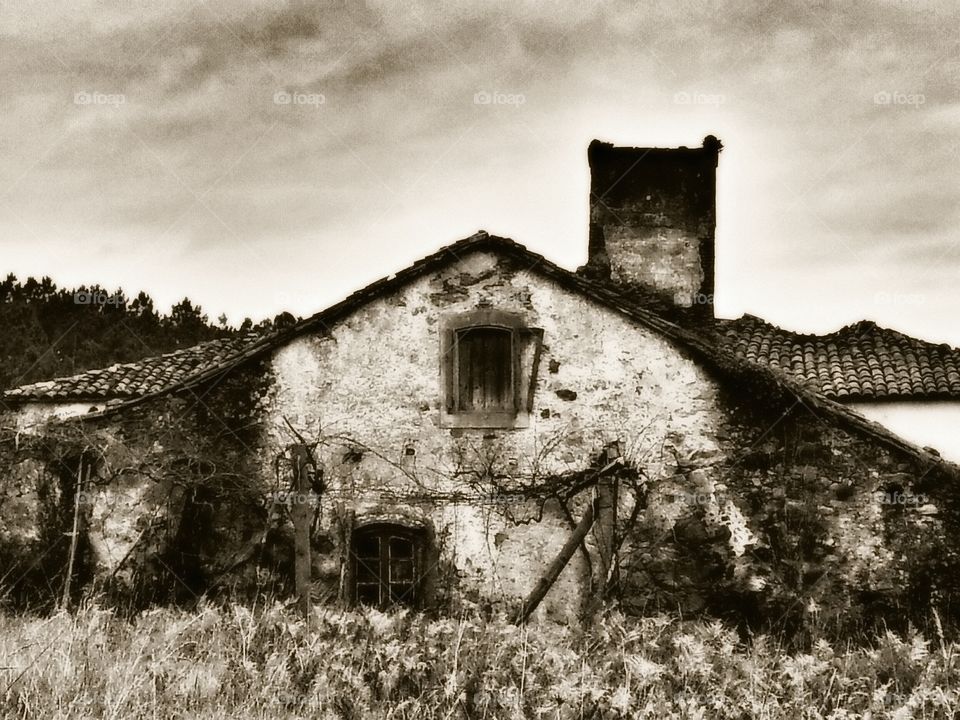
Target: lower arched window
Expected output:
[387,565]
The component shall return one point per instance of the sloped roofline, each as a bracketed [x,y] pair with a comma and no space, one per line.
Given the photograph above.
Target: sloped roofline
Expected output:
[862,361]
[859,326]
[705,348]
[107,388]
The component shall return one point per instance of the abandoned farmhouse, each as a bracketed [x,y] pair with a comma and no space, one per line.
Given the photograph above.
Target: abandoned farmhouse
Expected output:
[485,420]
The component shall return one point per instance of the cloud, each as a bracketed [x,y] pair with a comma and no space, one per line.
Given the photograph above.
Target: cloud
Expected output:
[200,157]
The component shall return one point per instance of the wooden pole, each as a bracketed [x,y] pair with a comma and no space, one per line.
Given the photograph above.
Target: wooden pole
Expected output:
[556,567]
[302,516]
[77,492]
[604,534]
[348,519]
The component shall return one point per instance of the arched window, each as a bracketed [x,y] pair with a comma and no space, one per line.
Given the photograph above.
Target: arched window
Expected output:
[387,563]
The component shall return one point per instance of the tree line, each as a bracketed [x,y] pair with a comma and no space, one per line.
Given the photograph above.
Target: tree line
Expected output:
[48,331]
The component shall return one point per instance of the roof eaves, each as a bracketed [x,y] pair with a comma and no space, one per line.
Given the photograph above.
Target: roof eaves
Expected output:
[706,348]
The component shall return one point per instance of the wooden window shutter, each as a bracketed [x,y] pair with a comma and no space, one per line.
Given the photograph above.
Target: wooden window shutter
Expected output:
[485,370]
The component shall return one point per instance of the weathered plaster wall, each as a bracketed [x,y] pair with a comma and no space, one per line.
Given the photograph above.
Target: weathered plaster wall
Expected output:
[740,507]
[30,417]
[663,258]
[164,493]
[795,520]
[22,502]
[934,424]
[744,508]
[375,380]
[112,512]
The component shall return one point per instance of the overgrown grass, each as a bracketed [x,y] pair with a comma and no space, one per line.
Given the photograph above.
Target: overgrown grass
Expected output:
[230,662]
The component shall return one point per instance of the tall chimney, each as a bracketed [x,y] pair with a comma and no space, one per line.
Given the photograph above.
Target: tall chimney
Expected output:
[653,219]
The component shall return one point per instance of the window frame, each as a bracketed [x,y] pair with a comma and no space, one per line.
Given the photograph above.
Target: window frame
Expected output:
[384,532]
[451,326]
[458,400]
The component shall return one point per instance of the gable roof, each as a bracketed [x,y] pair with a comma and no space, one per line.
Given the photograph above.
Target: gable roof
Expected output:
[708,348]
[133,379]
[214,364]
[861,362]
[858,362]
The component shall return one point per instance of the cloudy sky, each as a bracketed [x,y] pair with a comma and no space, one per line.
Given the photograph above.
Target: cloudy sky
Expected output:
[260,157]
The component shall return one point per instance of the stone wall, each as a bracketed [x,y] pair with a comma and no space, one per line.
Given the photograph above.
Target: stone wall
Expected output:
[371,390]
[134,480]
[32,416]
[797,522]
[653,219]
[747,505]
[743,507]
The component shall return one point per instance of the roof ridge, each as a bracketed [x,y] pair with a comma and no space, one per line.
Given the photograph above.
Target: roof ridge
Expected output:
[865,327]
[858,326]
[707,347]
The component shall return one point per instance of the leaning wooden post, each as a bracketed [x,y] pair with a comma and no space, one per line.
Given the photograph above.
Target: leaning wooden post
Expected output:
[556,567]
[302,515]
[348,519]
[605,530]
[77,494]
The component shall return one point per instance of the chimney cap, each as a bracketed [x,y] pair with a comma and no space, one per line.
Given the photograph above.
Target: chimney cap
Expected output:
[712,143]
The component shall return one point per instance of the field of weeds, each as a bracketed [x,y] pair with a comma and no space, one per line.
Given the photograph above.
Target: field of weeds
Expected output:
[231,662]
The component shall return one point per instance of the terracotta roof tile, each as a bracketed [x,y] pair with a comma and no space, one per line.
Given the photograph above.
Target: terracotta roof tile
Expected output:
[860,361]
[702,345]
[126,380]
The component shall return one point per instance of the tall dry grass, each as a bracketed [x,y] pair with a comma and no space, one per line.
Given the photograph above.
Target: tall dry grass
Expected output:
[231,662]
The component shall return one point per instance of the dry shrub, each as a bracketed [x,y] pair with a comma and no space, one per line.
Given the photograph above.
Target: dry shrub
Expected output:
[231,661]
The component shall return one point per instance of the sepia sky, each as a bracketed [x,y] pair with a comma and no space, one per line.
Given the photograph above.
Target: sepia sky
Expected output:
[261,157]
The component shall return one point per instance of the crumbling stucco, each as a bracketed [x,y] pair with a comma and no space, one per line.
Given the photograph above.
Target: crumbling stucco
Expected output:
[630,386]
[738,504]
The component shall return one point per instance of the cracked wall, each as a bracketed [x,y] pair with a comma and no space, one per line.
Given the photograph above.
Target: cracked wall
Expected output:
[744,508]
[375,381]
